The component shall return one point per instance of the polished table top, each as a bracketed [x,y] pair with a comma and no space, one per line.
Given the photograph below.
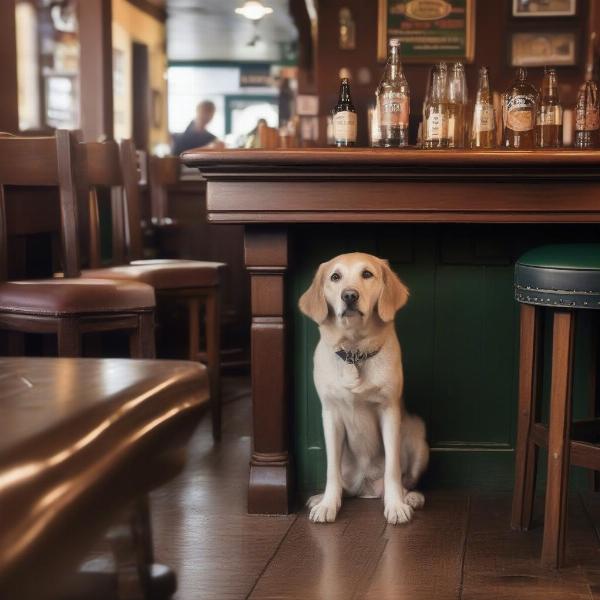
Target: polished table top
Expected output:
[80,439]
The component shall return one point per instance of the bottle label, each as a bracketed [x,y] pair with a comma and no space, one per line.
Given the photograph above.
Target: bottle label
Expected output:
[520,113]
[550,115]
[437,126]
[344,126]
[483,118]
[587,120]
[394,109]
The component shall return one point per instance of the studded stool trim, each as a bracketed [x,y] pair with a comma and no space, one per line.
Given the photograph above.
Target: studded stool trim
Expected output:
[569,288]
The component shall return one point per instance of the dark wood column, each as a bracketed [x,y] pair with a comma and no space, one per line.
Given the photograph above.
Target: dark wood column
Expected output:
[9,102]
[266,251]
[95,34]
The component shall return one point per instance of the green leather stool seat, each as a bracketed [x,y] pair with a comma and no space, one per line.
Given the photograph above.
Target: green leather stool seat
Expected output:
[566,275]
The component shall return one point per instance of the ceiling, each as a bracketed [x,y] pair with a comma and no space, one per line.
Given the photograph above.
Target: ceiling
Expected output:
[210,30]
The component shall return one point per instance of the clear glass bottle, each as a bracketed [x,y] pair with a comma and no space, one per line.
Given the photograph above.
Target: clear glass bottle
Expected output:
[457,106]
[393,101]
[344,117]
[550,114]
[587,120]
[520,111]
[483,127]
[435,111]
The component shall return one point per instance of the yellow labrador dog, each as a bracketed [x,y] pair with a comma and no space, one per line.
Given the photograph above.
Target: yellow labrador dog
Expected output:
[374,448]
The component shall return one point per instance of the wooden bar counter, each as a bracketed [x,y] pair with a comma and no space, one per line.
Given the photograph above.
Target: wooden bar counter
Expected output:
[274,194]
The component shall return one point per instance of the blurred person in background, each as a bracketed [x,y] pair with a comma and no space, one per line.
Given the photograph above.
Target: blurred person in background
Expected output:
[196,135]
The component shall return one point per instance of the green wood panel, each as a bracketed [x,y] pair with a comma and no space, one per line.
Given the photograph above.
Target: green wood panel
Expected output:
[459,337]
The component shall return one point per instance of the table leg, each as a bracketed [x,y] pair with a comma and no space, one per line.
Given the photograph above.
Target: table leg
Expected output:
[266,254]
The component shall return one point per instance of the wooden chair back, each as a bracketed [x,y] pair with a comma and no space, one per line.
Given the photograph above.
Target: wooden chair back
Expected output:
[115,168]
[164,172]
[45,162]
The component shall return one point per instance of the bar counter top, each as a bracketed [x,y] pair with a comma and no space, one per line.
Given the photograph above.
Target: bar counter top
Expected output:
[210,160]
[396,185]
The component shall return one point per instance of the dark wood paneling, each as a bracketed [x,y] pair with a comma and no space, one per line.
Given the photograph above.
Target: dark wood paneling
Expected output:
[9,113]
[494,24]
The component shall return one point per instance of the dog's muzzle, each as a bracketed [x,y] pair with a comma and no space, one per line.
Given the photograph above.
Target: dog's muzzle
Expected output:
[350,297]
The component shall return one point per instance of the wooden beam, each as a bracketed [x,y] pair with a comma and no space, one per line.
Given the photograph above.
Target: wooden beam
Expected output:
[95,34]
[9,100]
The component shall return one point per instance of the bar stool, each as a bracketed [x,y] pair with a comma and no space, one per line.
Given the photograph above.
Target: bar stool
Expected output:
[559,280]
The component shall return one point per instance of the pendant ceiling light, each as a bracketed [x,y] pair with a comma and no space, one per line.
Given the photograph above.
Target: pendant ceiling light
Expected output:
[254,10]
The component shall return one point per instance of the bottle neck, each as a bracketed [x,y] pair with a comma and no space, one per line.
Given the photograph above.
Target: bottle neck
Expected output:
[394,65]
[550,87]
[483,88]
[344,93]
[345,100]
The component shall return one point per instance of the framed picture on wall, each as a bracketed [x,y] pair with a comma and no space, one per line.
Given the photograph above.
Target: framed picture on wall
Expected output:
[536,49]
[544,8]
[429,30]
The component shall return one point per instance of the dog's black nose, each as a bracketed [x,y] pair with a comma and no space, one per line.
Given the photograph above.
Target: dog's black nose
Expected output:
[349,296]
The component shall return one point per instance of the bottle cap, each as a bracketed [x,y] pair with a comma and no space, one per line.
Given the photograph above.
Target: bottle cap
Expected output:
[344,73]
[394,42]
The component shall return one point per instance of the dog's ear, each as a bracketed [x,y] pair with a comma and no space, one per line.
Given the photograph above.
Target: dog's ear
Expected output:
[312,303]
[394,294]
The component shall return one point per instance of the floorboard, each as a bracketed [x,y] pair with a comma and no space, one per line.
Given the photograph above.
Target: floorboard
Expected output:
[459,547]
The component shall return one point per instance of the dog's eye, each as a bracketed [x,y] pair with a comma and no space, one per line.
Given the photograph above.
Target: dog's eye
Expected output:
[335,277]
[366,274]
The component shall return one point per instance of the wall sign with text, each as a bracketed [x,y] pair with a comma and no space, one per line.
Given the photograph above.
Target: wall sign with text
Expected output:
[429,30]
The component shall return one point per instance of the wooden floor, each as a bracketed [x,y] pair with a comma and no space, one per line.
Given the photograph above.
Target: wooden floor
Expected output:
[458,546]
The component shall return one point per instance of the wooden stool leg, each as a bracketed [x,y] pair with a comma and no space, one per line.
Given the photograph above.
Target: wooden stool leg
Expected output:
[553,547]
[530,363]
[69,338]
[193,328]
[213,348]
[141,341]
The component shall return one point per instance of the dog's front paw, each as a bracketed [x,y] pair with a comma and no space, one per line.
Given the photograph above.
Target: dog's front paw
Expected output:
[323,509]
[396,511]
[415,499]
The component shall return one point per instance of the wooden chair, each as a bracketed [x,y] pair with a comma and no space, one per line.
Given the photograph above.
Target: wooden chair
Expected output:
[557,282]
[68,306]
[197,283]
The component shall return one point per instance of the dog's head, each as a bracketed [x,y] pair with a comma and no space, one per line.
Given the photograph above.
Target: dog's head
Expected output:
[352,288]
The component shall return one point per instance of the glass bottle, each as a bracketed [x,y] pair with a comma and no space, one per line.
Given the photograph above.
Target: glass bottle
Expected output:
[457,106]
[520,111]
[587,120]
[435,112]
[393,101]
[344,117]
[483,128]
[549,121]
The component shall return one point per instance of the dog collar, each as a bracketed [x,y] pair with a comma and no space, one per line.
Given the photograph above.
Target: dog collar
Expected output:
[355,357]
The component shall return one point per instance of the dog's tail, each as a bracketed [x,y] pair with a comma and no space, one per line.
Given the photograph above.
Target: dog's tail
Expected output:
[414,450]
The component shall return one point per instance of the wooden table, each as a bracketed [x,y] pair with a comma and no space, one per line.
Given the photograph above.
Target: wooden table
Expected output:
[82,439]
[268,191]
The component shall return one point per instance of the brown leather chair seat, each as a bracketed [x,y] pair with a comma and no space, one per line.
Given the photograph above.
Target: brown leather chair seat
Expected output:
[74,296]
[163,274]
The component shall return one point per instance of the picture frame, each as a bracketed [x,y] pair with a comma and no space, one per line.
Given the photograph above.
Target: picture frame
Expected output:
[396,18]
[540,48]
[544,8]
